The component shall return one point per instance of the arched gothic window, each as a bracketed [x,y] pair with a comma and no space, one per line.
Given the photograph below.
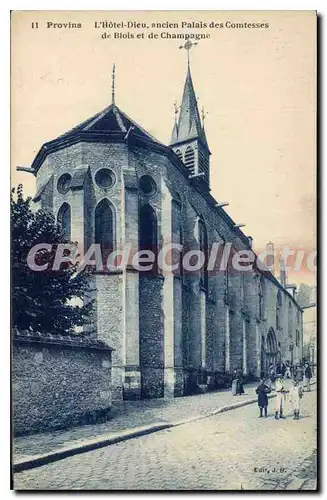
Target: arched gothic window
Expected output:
[64,220]
[104,228]
[177,230]
[203,242]
[271,348]
[222,265]
[290,320]
[262,298]
[297,341]
[189,159]
[278,310]
[298,317]
[148,238]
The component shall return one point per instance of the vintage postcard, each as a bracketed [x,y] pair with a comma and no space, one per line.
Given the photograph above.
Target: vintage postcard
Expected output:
[163,225]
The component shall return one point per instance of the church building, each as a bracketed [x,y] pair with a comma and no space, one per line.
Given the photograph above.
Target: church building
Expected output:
[108,181]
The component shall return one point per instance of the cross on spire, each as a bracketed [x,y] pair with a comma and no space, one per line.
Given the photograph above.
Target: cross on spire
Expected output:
[113,84]
[187,46]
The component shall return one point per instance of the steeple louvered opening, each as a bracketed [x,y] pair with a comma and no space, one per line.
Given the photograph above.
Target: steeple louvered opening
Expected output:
[179,154]
[203,163]
[189,159]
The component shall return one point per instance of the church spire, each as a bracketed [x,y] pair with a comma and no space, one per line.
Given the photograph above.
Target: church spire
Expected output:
[189,123]
[188,138]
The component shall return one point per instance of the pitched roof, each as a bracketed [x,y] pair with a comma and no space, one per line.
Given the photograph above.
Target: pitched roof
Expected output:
[111,119]
[189,124]
[108,125]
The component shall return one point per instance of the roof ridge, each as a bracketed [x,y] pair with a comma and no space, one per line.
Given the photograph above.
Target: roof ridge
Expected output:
[120,118]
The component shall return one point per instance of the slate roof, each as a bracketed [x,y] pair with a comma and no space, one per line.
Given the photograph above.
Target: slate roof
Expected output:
[189,124]
[111,124]
[111,119]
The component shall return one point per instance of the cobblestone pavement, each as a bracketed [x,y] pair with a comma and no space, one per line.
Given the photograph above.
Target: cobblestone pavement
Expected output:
[127,415]
[232,450]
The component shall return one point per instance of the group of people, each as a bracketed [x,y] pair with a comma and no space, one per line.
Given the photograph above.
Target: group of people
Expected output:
[301,379]
[300,374]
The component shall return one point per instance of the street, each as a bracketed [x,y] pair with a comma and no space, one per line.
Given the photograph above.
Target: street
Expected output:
[233,450]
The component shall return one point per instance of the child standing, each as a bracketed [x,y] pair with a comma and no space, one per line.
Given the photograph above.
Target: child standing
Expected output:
[296,394]
[280,396]
[262,390]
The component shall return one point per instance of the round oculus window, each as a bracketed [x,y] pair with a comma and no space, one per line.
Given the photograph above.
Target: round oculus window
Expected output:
[64,182]
[105,178]
[147,185]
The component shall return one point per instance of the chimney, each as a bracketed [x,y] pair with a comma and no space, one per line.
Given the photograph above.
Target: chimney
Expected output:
[282,272]
[270,259]
[250,241]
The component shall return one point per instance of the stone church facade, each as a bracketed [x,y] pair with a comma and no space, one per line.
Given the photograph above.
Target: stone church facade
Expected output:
[108,181]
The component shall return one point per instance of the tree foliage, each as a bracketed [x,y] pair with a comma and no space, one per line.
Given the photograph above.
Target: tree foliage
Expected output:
[304,295]
[43,300]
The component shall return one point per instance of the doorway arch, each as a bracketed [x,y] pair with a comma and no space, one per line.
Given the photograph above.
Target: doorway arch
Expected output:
[271,348]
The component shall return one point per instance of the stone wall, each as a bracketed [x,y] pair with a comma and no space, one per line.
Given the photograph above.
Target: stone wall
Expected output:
[59,383]
[151,337]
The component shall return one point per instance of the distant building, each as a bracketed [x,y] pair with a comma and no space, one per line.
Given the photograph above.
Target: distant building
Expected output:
[109,181]
[310,328]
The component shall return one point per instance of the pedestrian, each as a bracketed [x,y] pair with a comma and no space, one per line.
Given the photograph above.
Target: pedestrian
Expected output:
[295,395]
[288,373]
[262,390]
[272,375]
[280,396]
[234,382]
[240,388]
[237,384]
[298,373]
[307,374]
[281,368]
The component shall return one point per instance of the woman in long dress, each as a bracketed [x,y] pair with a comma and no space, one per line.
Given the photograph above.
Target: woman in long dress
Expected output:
[234,383]
[240,388]
[237,383]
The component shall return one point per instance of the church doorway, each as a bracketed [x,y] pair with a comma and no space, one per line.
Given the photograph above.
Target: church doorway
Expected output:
[271,349]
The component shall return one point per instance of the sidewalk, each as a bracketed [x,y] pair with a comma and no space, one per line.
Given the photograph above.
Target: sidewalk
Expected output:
[130,415]
[129,419]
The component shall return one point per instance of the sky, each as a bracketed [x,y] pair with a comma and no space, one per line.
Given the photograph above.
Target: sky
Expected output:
[257,86]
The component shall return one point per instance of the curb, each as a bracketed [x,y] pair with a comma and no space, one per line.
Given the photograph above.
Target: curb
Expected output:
[88,445]
[108,439]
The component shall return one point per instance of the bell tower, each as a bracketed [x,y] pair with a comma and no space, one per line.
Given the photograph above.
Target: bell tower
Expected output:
[188,138]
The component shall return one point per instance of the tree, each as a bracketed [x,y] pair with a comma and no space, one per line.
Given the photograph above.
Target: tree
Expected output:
[42,300]
[303,295]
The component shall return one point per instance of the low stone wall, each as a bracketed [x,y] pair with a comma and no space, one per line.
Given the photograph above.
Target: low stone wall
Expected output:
[58,383]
